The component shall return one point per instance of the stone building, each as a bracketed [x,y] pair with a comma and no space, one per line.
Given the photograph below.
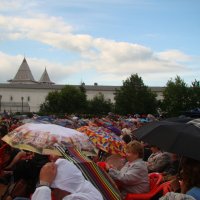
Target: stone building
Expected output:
[24,94]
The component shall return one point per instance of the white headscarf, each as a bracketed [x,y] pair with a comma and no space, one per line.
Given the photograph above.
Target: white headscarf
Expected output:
[69,178]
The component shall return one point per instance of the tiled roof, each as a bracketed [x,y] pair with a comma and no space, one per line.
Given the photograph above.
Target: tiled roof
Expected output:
[24,80]
[45,78]
[23,74]
[58,87]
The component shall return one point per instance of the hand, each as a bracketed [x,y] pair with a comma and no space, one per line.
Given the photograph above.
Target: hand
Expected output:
[108,166]
[25,155]
[148,164]
[53,158]
[48,172]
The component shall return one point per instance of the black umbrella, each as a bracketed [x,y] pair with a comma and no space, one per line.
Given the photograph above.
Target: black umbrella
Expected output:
[180,138]
[180,119]
[196,122]
[192,113]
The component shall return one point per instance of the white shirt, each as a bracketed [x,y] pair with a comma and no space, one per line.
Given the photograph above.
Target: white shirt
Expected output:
[70,179]
[89,193]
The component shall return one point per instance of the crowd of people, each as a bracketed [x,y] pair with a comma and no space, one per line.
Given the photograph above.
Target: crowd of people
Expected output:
[49,177]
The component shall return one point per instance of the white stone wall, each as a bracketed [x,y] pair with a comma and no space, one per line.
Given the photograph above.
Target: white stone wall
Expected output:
[34,97]
[37,96]
[107,94]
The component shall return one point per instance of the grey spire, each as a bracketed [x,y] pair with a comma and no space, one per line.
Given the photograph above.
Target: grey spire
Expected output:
[45,78]
[23,74]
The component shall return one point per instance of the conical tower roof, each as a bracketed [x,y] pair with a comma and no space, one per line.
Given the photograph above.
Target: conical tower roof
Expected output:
[45,78]
[23,74]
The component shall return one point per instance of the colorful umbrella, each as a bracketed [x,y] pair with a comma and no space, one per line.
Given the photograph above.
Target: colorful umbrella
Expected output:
[114,130]
[41,138]
[104,139]
[93,173]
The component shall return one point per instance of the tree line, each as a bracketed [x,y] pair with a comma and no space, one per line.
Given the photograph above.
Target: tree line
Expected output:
[132,97]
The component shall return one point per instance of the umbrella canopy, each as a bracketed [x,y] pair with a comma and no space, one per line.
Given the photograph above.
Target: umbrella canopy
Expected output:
[180,138]
[63,122]
[93,173]
[193,113]
[41,138]
[181,119]
[114,129]
[34,121]
[45,118]
[104,139]
[196,122]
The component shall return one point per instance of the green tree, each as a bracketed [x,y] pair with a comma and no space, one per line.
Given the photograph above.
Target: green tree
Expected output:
[69,100]
[99,105]
[176,97]
[135,97]
[51,103]
[72,99]
[195,95]
[82,88]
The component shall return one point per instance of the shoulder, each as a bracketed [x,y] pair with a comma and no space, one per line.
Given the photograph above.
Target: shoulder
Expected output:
[139,163]
[195,191]
[177,196]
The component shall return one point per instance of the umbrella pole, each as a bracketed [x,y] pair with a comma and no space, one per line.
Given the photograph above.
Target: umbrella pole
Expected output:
[179,167]
[175,183]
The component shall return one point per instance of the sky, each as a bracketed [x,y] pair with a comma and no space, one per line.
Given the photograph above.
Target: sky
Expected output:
[101,41]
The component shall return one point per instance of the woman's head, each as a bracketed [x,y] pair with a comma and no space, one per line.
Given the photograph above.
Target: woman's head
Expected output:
[126,138]
[191,173]
[135,150]
[154,148]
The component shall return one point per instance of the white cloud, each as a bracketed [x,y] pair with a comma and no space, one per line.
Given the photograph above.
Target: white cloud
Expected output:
[10,64]
[174,55]
[107,57]
[6,66]
[37,24]
[124,58]
[16,5]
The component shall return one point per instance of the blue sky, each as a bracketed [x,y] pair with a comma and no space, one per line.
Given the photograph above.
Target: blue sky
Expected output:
[103,41]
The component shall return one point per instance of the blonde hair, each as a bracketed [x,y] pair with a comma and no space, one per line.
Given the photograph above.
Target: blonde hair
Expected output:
[136,147]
